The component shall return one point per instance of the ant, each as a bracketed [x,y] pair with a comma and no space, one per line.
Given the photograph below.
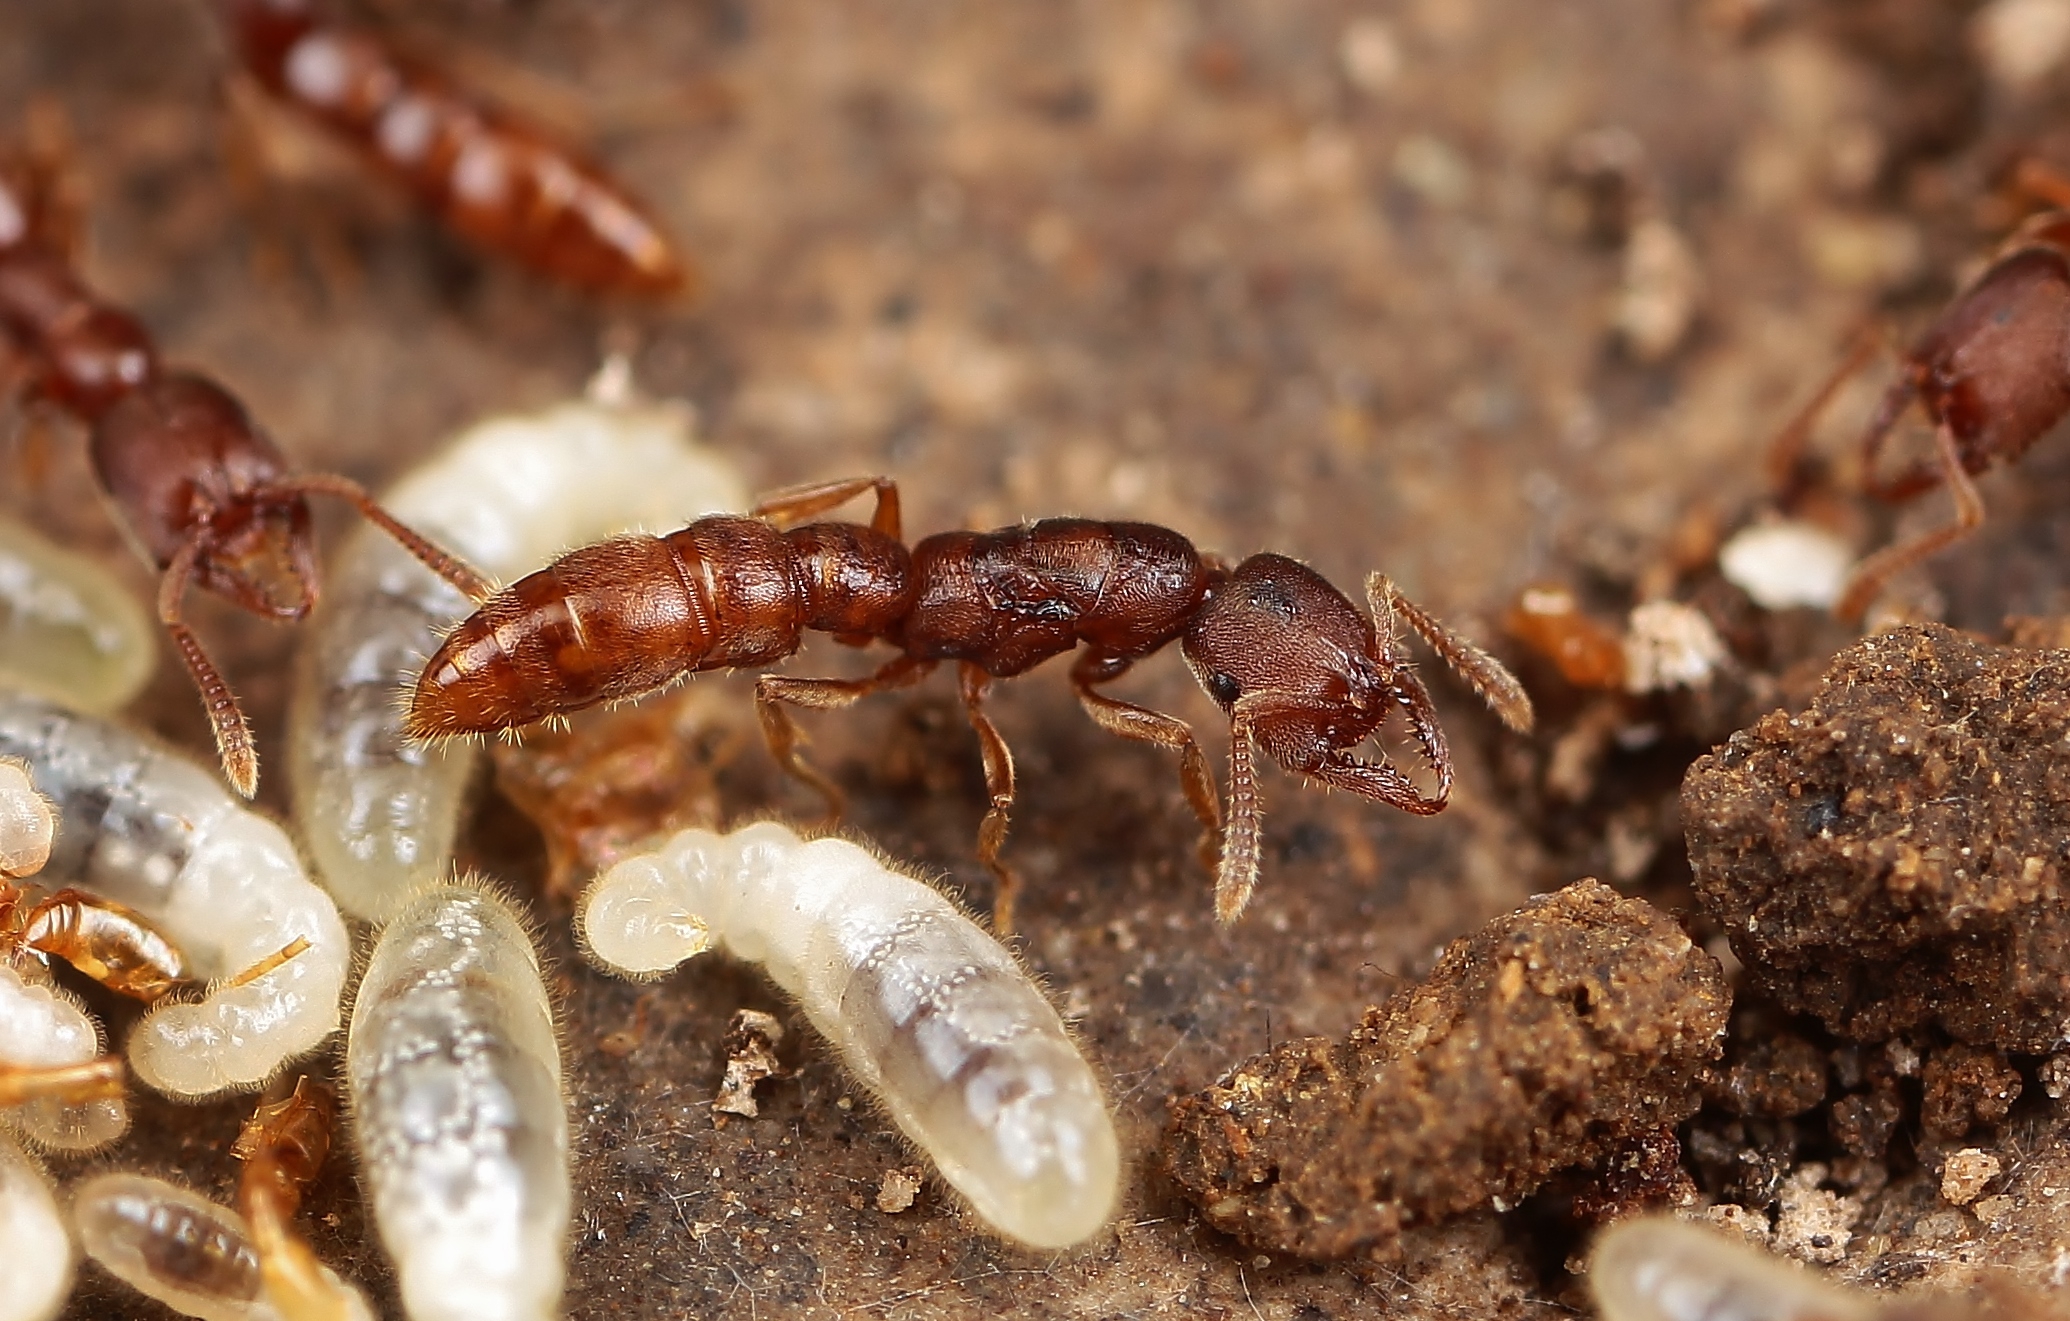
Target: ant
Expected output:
[1991,375]
[491,178]
[203,490]
[283,1147]
[1293,662]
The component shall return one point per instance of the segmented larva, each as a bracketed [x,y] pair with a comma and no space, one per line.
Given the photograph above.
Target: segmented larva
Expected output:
[194,1255]
[26,824]
[455,1078]
[1656,1268]
[42,1026]
[147,827]
[38,1275]
[68,629]
[932,1014]
[379,813]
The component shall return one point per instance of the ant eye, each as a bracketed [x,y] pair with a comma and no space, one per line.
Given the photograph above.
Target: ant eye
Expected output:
[1224,688]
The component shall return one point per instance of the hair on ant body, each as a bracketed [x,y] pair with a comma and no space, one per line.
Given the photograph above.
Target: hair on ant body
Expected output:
[1293,662]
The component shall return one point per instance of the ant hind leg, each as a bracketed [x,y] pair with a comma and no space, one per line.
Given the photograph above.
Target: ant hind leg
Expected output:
[795,504]
[1870,575]
[782,734]
[999,784]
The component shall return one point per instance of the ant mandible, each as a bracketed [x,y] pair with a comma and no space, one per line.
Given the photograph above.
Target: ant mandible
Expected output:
[1298,669]
[1991,374]
[205,493]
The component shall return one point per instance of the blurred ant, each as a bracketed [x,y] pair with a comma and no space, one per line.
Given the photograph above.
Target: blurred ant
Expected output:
[202,490]
[492,179]
[1990,373]
[283,1147]
[1293,662]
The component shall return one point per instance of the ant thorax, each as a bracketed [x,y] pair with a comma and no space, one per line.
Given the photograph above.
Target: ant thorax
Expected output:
[39,1250]
[929,1012]
[379,813]
[455,1080]
[148,828]
[68,629]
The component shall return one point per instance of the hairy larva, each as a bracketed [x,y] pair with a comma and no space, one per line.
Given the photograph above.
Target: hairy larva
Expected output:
[147,827]
[42,1026]
[378,812]
[455,1079]
[68,629]
[38,1250]
[26,823]
[932,1014]
[1657,1268]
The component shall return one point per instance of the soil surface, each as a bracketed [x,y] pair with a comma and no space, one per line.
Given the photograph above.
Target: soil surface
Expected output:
[1481,293]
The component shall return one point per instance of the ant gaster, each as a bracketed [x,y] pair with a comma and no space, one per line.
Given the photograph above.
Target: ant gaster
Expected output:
[1992,374]
[1294,663]
[204,493]
[492,179]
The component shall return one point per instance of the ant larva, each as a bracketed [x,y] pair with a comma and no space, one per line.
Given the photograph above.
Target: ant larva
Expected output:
[68,629]
[1990,376]
[1292,661]
[493,180]
[39,1247]
[379,813]
[142,826]
[455,1080]
[1658,1268]
[202,490]
[931,1014]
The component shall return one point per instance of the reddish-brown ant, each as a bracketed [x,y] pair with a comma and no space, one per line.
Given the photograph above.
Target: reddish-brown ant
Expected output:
[1992,375]
[1292,661]
[494,180]
[204,492]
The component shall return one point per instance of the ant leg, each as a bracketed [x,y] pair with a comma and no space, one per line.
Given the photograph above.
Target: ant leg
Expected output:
[794,504]
[999,783]
[70,1084]
[1786,477]
[446,565]
[782,734]
[292,950]
[1873,572]
[1910,482]
[233,732]
[106,941]
[1488,677]
[1147,726]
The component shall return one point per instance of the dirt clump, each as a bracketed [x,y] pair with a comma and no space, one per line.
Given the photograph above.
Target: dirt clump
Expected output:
[1561,1035]
[1893,857]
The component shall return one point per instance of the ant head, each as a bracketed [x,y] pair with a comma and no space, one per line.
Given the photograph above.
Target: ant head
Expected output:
[1313,673]
[260,553]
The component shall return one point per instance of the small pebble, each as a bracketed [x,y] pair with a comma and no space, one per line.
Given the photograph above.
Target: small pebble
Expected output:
[898,1191]
[1786,565]
[1965,1173]
[1670,645]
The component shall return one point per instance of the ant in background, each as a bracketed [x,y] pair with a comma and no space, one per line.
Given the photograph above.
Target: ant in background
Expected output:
[202,490]
[1292,661]
[1991,374]
[491,178]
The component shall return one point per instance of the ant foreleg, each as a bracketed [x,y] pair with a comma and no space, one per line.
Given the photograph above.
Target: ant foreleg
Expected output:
[1870,575]
[1147,726]
[782,734]
[794,504]
[1910,482]
[1786,477]
[446,565]
[1487,676]
[999,784]
[233,732]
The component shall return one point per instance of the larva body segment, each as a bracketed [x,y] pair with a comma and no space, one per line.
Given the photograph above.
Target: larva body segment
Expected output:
[39,1251]
[26,824]
[379,813]
[932,1014]
[455,1079]
[68,629]
[1657,1268]
[43,1026]
[146,827]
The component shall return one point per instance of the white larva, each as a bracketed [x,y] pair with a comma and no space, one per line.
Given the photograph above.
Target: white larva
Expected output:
[37,1250]
[68,629]
[194,1255]
[932,1014]
[1657,1268]
[42,1026]
[455,1078]
[379,814]
[26,823]
[148,827]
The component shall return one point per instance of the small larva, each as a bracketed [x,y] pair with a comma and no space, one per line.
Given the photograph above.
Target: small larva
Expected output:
[1657,1268]
[932,1014]
[26,823]
[39,1251]
[455,1079]
[68,629]
[379,813]
[42,1026]
[147,827]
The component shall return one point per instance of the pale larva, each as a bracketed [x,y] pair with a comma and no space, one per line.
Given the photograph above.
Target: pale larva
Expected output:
[146,826]
[37,1249]
[932,1014]
[455,1078]
[1657,1268]
[26,823]
[68,629]
[379,813]
[42,1026]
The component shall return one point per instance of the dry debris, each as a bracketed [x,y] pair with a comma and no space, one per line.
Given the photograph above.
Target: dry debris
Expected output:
[751,1041]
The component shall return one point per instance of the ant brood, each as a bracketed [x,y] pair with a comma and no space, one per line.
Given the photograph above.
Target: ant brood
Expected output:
[1295,664]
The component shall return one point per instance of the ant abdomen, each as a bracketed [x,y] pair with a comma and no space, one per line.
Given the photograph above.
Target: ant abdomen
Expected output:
[92,353]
